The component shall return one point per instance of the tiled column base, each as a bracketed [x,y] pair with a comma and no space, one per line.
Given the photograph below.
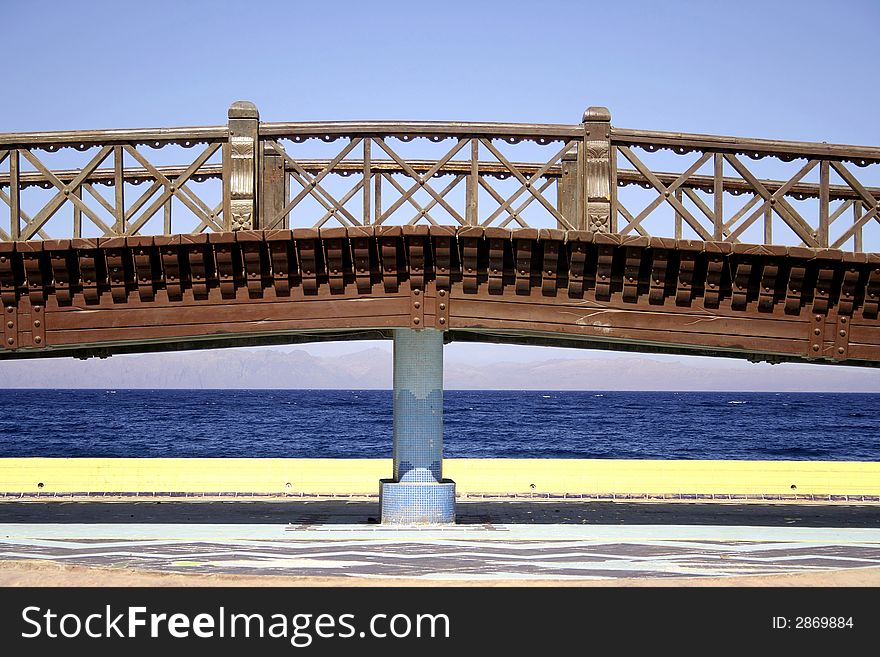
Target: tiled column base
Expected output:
[417,503]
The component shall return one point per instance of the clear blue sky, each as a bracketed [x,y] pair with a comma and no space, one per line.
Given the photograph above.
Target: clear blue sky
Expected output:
[789,70]
[798,70]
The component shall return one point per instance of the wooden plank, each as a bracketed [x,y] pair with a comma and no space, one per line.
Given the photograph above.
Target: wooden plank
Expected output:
[624,318]
[869,353]
[60,338]
[753,147]
[343,129]
[863,333]
[91,317]
[88,138]
[793,346]
[138,175]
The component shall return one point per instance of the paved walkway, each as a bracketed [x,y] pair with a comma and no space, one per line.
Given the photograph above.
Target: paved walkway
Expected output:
[493,541]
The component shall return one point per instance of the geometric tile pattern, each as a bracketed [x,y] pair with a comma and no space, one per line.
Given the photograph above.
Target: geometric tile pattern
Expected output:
[498,540]
[465,556]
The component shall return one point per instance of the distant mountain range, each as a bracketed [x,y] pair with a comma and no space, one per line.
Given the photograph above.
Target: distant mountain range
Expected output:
[371,368]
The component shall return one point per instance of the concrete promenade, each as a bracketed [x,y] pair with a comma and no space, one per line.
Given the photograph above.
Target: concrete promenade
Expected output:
[339,542]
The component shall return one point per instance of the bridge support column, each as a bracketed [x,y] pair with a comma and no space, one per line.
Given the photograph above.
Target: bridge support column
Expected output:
[417,493]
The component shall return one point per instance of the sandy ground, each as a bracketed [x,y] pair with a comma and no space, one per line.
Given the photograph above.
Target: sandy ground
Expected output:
[15,573]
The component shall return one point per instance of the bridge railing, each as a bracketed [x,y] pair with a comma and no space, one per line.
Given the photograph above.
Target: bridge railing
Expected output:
[35,189]
[809,199]
[473,180]
[590,176]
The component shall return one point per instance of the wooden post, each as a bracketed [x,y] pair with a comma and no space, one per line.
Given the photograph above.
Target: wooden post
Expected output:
[368,176]
[824,202]
[377,198]
[678,217]
[472,217]
[599,172]
[718,189]
[77,214]
[567,192]
[119,188]
[239,167]
[857,238]
[273,190]
[166,217]
[14,195]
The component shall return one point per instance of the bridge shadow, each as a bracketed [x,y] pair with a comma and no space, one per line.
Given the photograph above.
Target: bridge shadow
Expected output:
[347,512]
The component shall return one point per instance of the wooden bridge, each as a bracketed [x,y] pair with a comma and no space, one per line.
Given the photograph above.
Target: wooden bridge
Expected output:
[259,233]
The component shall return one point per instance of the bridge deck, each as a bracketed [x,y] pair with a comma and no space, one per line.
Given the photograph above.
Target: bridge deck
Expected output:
[110,295]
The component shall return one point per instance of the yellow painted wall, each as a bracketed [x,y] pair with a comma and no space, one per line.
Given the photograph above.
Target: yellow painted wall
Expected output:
[503,476]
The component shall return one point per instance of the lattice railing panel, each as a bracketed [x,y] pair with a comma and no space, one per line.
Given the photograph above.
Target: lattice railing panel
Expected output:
[735,195]
[103,190]
[372,179]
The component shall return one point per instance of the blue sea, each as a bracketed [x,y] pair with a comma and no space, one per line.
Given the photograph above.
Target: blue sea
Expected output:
[478,424]
[485,424]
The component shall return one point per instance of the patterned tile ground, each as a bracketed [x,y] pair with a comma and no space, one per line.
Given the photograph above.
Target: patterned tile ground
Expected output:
[327,552]
[498,540]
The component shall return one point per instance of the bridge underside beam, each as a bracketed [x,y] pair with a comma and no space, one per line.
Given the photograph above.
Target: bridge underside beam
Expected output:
[96,297]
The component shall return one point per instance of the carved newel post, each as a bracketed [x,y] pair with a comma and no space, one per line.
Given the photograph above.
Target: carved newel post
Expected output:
[239,167]
[599,171]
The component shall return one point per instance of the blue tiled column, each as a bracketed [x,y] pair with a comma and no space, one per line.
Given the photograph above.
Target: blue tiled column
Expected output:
[417,493]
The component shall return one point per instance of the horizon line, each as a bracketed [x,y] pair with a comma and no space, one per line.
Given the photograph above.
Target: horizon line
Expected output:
[595,390]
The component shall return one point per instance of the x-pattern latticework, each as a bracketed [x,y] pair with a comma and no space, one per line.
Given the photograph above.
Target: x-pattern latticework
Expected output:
[531,185]
[311,186]
[768,199]
[866,199]
[208,217]
[421,182]
[408,183]
[76,188]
